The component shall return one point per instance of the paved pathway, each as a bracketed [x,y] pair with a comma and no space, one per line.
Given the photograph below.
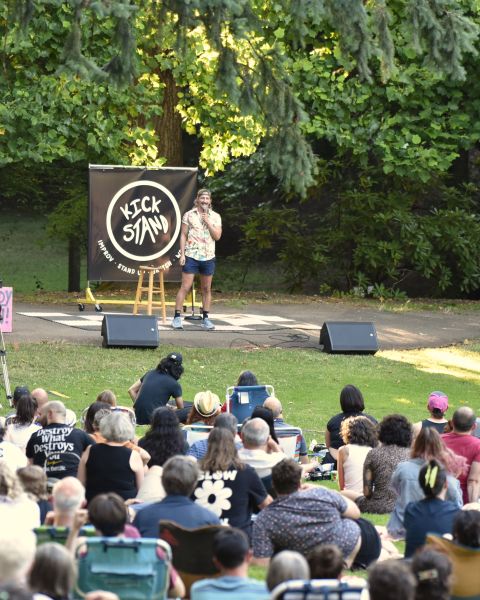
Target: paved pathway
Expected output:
[253,325]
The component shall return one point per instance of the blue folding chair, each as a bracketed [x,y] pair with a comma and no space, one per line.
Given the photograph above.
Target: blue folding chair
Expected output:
[318,589]
[241,400]
[134,569]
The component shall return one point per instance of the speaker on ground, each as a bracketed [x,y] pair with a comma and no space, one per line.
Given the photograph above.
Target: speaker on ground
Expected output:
[130,330]
[349,337]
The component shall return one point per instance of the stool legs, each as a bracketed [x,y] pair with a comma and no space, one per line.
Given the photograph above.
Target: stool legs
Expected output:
[150,289]
[138,295]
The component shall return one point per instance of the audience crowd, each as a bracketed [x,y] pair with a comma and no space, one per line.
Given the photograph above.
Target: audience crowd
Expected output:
[62,487]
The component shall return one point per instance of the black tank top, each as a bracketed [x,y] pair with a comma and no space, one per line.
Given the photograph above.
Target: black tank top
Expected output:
[108,470]
[440,427]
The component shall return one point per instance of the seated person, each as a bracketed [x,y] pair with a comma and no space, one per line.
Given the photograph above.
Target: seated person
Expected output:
[22,424]
[246,378]
[326,562]
[391,580]
[206,406]
[433,571]
[255,436]
[53,572]
[232,555]
[109,515]
[428,445]
[352,405]
[179,479]
[437,406]
[299,519]
[359,436]
[111,466]
[227,486]
[395,437]
[226,420]
[464,553]
[285,566]
[275,406]
[433,514]
[34,483]
[156,388]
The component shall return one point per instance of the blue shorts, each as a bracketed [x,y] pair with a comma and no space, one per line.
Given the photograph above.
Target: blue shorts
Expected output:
[203,267]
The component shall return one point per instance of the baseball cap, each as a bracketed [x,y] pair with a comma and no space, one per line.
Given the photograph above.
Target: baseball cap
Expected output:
[19,391]
[176,357]
[438,400]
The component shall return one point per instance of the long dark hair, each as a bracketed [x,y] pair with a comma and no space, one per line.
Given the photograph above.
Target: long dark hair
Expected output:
[91,412]
[266,415]
[247,378]
[26,410]
[164,438]
[171,366]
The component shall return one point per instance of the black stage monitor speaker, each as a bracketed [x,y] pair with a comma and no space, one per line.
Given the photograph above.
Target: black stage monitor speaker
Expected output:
[130,330]
[349,337]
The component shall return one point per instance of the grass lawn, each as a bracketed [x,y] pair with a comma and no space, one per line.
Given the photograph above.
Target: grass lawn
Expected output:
[307,382]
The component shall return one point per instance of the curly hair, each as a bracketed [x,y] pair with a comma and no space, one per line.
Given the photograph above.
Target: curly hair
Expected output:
[466,528]
[395,430]
[164,438]
[171,367]
[360,431]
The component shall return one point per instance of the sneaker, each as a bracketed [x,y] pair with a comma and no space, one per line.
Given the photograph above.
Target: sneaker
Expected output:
[207,324]
[177,323]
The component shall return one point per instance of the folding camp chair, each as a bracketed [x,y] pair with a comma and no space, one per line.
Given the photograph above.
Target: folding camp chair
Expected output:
[318,589]
[289,439]
[241,400]
[192,551]
[50,533]
[134,569]
[195,432]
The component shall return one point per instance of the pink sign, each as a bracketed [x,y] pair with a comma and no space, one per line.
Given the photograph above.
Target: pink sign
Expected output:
[6,297]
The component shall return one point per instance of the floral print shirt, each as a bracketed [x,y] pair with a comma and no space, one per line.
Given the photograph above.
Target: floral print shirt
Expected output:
[200,245]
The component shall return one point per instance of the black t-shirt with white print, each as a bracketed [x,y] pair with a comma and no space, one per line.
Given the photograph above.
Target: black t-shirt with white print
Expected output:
[58,448]
[231,495]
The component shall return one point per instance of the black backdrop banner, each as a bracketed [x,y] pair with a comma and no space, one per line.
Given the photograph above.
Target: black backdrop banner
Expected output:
[135,217]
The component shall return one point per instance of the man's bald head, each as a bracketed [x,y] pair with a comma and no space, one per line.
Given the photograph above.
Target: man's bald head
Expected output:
[274,405]
[41,397]
[463,419]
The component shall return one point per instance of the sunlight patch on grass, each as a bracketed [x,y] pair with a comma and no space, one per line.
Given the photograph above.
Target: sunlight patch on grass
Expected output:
[446,361]
[403,400]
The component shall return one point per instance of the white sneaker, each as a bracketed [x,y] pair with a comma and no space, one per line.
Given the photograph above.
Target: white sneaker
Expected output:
[207,324]
[177,323]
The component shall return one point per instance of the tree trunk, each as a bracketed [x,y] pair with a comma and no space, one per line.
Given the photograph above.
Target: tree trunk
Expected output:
[169,126]
[73,265]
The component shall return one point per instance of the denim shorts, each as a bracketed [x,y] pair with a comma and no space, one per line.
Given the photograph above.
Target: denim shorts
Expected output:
[203,267]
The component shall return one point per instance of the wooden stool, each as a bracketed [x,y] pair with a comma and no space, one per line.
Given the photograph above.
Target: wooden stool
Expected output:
[151,290]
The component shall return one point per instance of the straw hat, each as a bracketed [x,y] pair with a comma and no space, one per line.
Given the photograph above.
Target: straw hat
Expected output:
[206,403]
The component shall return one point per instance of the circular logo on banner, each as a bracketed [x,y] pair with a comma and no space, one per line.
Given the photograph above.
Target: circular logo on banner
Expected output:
[143,220]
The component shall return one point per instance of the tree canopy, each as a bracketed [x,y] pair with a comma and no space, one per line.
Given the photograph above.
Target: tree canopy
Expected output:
[234,66]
